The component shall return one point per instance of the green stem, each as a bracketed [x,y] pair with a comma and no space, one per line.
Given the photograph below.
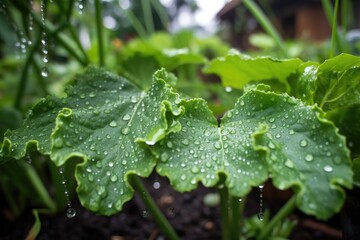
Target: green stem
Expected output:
[64,40]
[265,23]
[225,216]
[284,212]
[237,216]
[99,27]
[334,35]
[139,28]
[148,19]
[161,12]
[24,75]
[163,223]
[39,186]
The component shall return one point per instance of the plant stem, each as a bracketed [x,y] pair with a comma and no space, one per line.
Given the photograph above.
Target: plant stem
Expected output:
[64,40]
[99,27]
[285,211]
[24,75]
[161,12]
[38,186]
[163,223]
[334,35]
[139,28]
[225,216]
[237,210]
[265,23]
[148,19]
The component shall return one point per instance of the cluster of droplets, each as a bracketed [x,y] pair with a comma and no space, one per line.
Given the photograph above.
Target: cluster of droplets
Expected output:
[44,46]
[261,213]
[70,212]
[80,6]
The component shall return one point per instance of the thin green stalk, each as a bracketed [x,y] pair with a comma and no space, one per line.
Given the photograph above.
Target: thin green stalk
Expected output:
[265,23]
[148,18]
[5,186]
[62,39]
[284,212]
[345,15]
[163,223]
[39,186]
[334,35]
[237,216]
[99,28]
[225,215]
[76,39]
[332,18]
[24,75]
[161,12]
[135,22]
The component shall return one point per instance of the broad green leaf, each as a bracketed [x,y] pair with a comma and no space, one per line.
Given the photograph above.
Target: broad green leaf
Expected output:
[338,89]
[35,130]
[202,150]
[236,70]
[333,84]
[304,151]
[101,120]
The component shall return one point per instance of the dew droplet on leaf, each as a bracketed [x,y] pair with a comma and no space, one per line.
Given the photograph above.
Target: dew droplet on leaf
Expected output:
[303,143]
[328,168]
[309,157]
[113,124]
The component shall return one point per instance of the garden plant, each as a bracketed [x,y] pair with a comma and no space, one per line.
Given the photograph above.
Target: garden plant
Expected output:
[284,120]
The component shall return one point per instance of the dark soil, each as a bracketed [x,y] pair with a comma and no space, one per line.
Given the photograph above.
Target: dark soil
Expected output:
[187,213]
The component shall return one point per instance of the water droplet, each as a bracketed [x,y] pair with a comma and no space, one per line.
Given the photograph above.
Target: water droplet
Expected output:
[58,143]
[291,132]
[303,143]
[70,213]
[133,99]
[277,135]
[92,95]
[125,130]
[272,120]
[217,145]
[309,157]
[228,89]
[328,168]
[185,142]
[156,185]
[113,178]
[271,145]
[289,163]
[207,132]
[261,216]
[126,117]
[145,214]
[169,144]
[195,169]
[44,72]
[164,157]
[242,103]
[113,124]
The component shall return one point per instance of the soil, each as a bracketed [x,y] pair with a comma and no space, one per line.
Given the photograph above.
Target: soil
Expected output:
[187,213]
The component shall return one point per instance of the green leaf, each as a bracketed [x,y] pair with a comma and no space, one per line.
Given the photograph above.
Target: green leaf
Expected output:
[304,151]
[101,120]
[236,70]
[35,130]
[333,84]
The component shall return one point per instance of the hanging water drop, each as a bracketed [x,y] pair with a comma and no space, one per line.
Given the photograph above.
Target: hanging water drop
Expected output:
[156,185]
[261,214]
[70,212]
[44,71]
